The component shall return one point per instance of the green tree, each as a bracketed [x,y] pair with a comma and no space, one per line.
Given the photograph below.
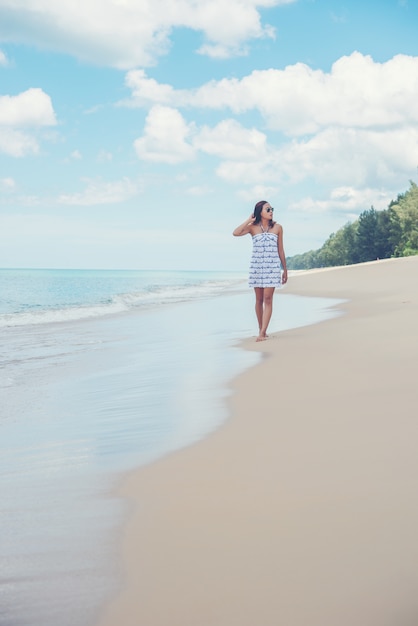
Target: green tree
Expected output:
[375,234]
[367,239]
[406,208]
[395,229]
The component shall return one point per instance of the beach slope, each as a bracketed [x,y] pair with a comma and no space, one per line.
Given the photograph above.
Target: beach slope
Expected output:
[302,509]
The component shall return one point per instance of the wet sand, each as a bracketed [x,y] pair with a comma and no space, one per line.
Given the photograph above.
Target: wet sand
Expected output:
[302,509]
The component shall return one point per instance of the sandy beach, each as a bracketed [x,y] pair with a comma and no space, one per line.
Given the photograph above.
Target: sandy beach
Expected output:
[302,509]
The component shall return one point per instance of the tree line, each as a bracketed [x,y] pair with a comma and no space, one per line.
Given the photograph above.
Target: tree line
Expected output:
[392,232]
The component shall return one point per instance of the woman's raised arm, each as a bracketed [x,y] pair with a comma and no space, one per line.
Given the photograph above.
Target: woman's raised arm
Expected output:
[245,227]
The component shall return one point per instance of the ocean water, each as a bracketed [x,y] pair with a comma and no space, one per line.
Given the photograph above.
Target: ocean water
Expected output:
[100,372]
[42,296]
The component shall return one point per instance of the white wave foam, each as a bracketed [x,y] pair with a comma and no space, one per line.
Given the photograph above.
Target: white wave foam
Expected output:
[119,304]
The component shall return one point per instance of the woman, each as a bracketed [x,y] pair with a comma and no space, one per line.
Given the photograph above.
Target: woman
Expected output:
[266,262]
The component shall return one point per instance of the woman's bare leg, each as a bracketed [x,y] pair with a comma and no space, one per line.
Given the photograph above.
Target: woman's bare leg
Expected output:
[268,293]
[259,300]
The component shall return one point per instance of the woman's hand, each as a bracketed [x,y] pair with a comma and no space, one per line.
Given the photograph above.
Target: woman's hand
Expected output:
[284,277]
[244,228]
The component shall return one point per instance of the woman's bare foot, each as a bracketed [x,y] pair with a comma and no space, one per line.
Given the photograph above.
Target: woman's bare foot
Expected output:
[261,338]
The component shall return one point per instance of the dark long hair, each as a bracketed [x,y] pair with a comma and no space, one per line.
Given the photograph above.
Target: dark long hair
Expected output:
[257,213]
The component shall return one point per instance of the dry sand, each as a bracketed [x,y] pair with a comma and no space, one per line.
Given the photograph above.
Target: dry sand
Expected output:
[302,510]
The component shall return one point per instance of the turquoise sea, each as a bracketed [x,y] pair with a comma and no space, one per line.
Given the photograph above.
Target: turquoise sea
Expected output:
[101,372]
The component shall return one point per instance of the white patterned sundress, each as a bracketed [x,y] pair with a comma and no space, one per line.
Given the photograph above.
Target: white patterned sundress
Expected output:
[265,268]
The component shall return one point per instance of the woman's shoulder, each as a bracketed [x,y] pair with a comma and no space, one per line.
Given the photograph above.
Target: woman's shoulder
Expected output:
[276,228]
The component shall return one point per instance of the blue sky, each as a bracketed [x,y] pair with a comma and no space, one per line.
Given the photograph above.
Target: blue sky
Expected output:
[136,134]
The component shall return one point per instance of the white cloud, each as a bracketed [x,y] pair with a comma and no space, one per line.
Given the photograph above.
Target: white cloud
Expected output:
[226,28]
[131,33]
[7,184]
[335,157]
[356,125]
[168,138]
[101,192]
[356,93]
[165,138]
[340,156]
[31,108]
[3,58]
[16,143]
[247,172]
[346,199]
[146,91]
[263,192]
[230,140]
[20,117]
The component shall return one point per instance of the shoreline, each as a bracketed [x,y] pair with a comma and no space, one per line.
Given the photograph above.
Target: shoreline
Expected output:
[85,403]
[306,515]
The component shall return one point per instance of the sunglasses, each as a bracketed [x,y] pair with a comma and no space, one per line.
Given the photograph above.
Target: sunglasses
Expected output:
[270,210]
